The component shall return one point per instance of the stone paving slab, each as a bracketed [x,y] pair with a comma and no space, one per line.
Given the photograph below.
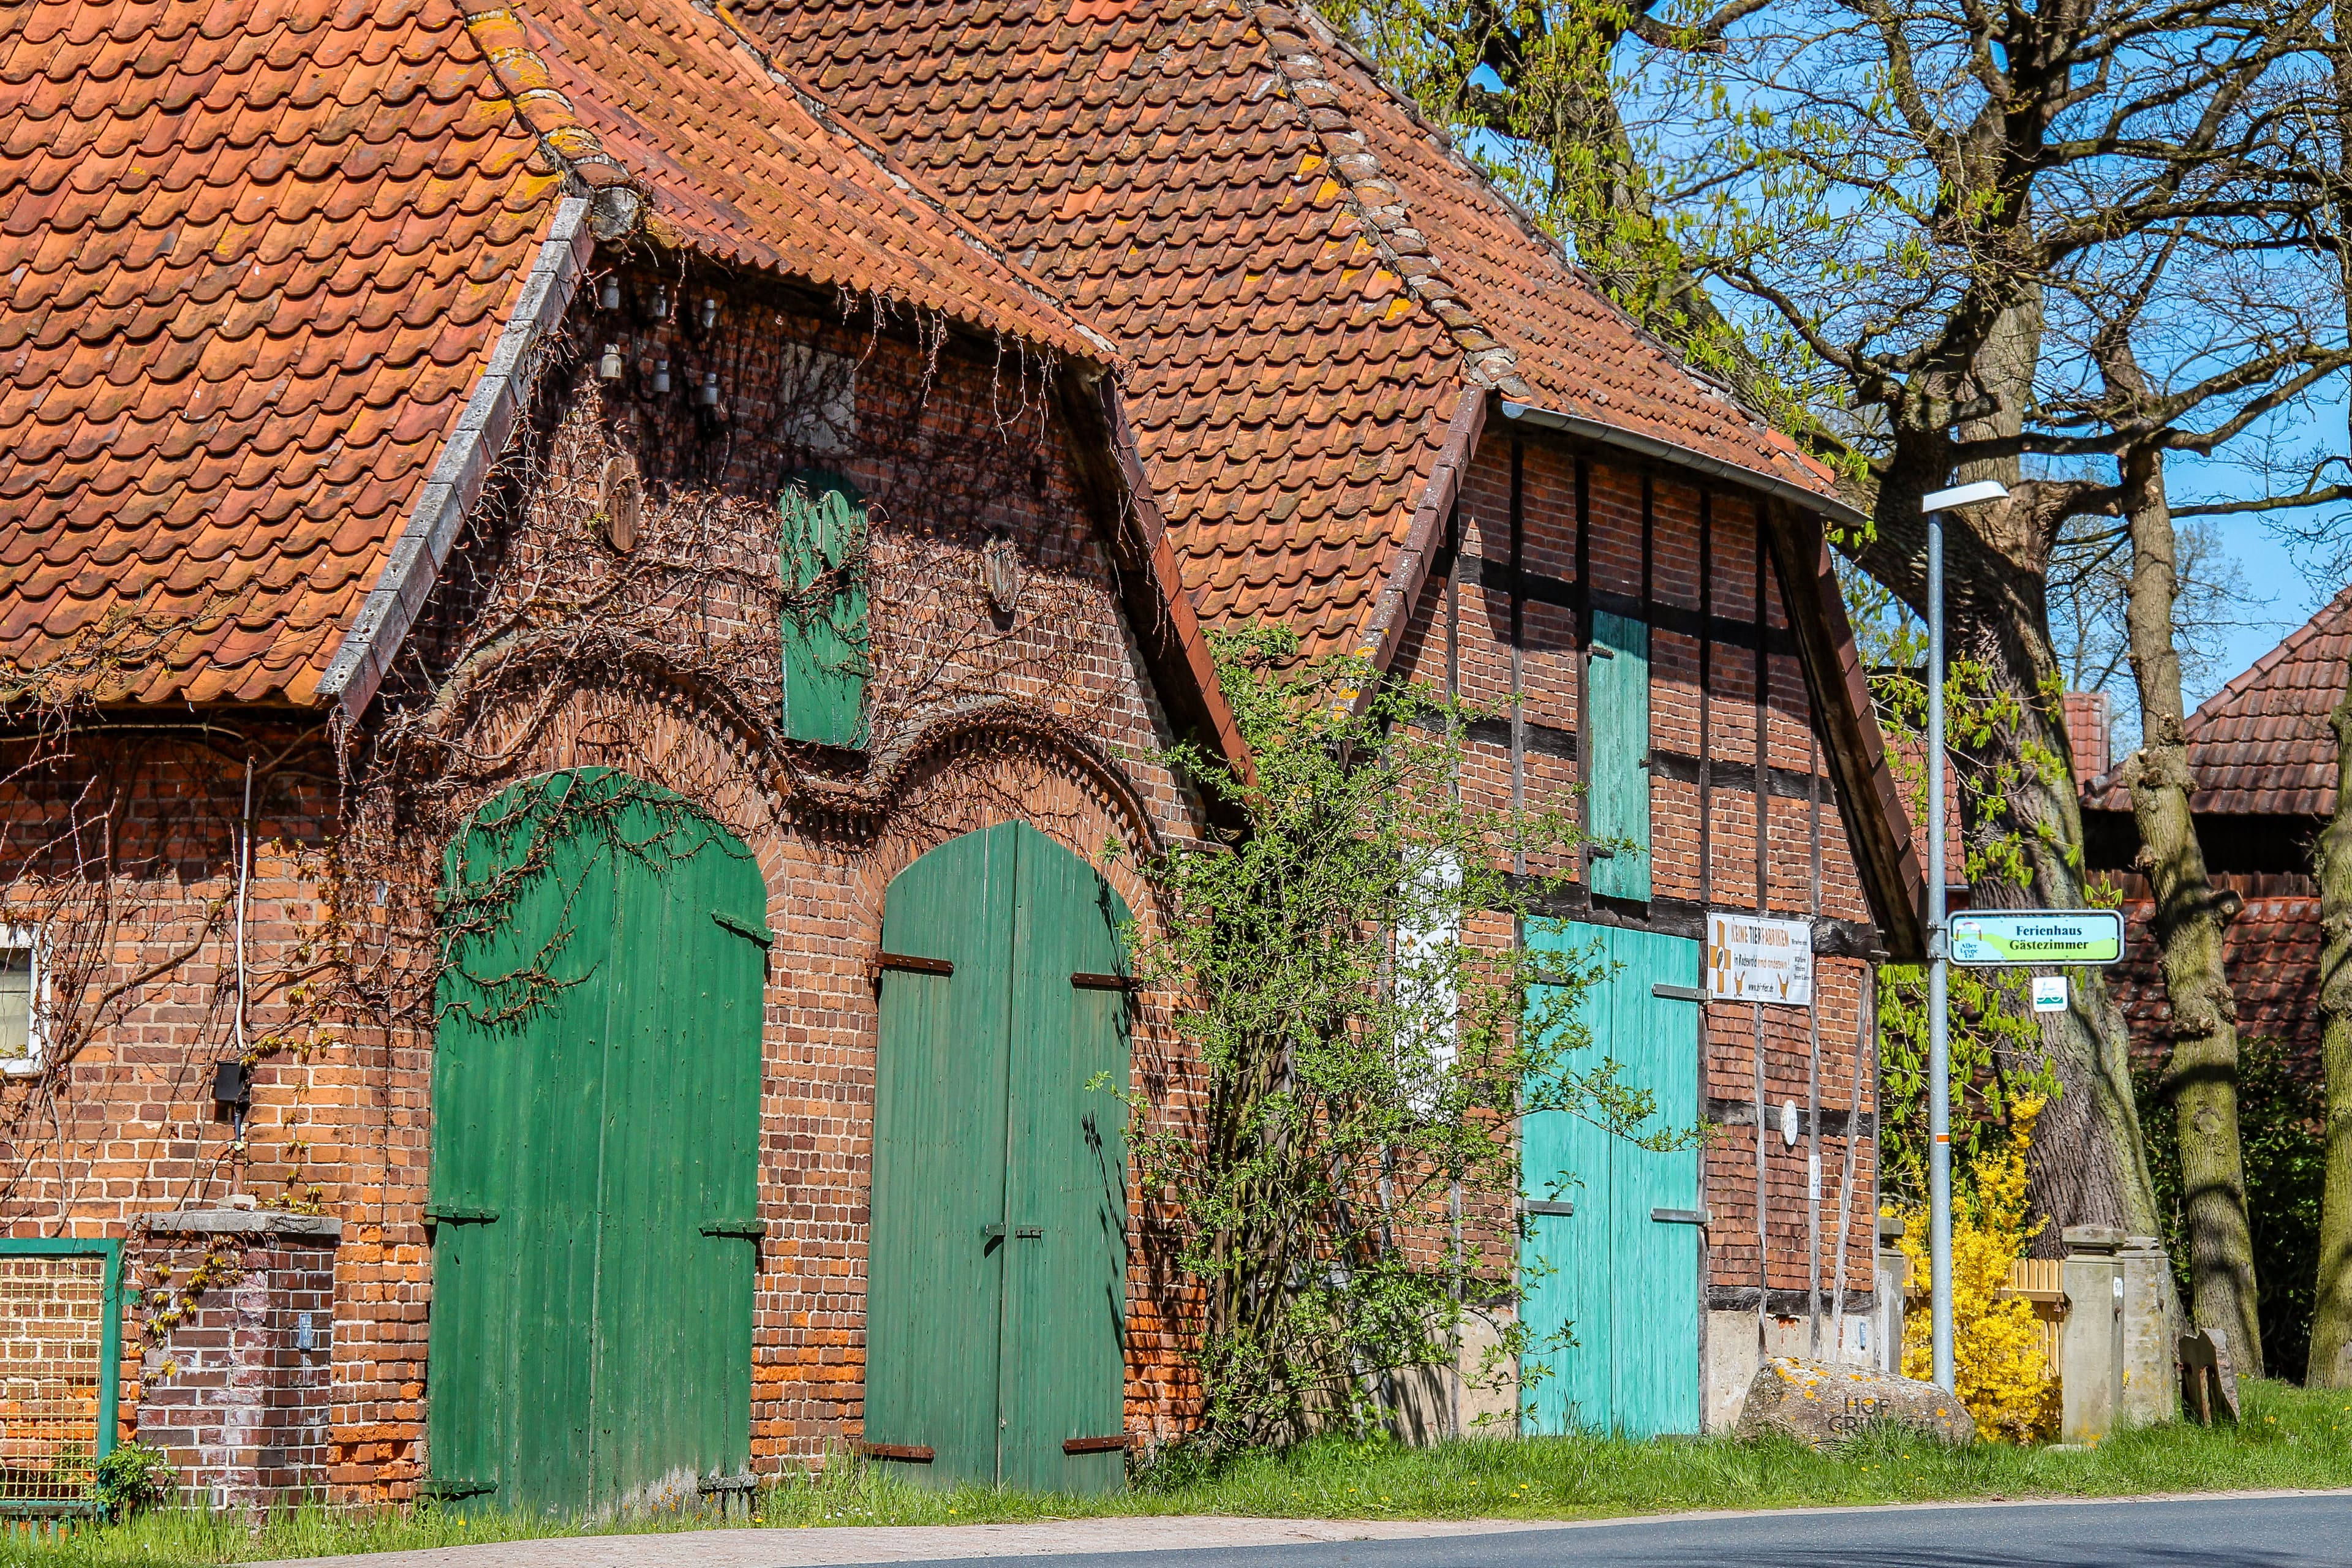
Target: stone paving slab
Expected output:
[819,1547]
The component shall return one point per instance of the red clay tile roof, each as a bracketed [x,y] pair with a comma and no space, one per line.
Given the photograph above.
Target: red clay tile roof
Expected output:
[255,253]
[1303,278]
[2262,745]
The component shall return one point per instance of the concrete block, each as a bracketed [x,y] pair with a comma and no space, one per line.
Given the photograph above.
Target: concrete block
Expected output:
[2150,1392]
[2091,1340]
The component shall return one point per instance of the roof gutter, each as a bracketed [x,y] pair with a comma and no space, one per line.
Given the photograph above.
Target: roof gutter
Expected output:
[1592,430]
[392,606]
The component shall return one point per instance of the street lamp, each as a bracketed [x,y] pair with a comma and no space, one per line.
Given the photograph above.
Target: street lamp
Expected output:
[1939,947]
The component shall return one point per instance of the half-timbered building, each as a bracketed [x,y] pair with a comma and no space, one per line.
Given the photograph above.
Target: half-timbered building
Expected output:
[1375,400]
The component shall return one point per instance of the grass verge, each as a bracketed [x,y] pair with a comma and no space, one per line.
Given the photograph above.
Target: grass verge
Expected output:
[2290,1438]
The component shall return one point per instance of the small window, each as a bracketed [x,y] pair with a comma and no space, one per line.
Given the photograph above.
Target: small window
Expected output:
[20,1014]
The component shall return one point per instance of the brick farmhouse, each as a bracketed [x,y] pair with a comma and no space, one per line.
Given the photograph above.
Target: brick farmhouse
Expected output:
[582,592]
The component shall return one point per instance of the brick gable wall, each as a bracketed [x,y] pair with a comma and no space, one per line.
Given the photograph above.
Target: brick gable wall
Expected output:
[660,660]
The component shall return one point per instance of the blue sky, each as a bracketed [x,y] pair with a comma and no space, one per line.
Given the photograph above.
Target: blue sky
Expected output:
[2285,582]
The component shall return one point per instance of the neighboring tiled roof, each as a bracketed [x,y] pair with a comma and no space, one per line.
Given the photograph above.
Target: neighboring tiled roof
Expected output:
[255,252]
[2261,743]
[1302,277]
[2271,953]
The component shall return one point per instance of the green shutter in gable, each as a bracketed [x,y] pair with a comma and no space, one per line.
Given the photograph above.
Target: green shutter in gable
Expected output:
[825,640]
[1620,779]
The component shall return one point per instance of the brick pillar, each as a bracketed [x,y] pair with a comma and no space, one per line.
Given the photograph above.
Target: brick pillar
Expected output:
[238,1392]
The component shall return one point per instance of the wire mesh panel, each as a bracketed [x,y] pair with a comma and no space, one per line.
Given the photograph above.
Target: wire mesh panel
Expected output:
[57,1348]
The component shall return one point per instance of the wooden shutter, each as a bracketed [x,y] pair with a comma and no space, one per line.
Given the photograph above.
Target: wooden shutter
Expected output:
[1620,781]
[825,641]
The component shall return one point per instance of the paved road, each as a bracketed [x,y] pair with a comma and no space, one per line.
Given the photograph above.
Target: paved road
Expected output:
[2243,1531]
[2216,1532]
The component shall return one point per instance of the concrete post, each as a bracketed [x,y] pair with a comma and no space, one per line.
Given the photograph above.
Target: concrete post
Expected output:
[2091,1343]
[1892,1277]
[2152,1390]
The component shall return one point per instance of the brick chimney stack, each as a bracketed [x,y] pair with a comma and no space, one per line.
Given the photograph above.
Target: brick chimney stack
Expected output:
[2089,734]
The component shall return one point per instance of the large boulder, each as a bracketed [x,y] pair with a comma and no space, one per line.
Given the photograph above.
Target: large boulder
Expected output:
[1820,1404]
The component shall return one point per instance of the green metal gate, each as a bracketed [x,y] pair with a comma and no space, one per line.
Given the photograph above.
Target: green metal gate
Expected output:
[1615,1257]
[61,1361]
[595,1178]
[997,1274]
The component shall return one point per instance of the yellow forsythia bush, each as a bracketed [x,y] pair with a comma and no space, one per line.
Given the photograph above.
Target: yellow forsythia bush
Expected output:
[2004,1376]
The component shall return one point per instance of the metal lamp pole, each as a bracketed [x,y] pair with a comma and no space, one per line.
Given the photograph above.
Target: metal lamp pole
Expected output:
[1939,1051]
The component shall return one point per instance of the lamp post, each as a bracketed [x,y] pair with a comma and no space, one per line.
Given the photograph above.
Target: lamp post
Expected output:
[1939,1050]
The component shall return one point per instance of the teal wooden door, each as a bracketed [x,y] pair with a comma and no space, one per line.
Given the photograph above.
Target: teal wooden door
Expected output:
[595,1179]
[997,1259]
[1612,1256]
[1618,787]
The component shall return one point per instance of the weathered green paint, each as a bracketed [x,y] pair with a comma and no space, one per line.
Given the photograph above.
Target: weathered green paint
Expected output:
[1619,710]
[596,1092]
[1625,1284]
[826,645]
[997,1261]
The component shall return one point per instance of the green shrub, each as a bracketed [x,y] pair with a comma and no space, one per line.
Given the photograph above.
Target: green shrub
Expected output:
[132,1477]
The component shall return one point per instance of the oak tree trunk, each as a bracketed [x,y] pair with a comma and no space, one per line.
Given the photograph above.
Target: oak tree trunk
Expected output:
[2202,1079]
[2331,1320]
[2021,824]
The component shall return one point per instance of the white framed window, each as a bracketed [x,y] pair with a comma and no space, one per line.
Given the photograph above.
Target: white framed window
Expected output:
[22,988]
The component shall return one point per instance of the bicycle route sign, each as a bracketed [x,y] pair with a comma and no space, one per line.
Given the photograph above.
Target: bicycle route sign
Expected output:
[1992,939]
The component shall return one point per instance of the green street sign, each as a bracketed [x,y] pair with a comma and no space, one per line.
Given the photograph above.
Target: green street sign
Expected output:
[1992,939]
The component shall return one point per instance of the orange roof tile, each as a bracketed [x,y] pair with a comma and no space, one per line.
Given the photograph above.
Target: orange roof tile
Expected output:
[2261,743]
[254,254]
[1303,278]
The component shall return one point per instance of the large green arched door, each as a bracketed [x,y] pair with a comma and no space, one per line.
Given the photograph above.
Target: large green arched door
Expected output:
[595,1134]
[996,1290]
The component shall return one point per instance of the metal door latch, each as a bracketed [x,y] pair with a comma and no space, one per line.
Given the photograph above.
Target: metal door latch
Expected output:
[1680,1216]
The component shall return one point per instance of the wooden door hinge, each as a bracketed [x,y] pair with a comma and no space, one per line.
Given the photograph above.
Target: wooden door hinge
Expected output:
[909,1453]
[755,933]
[751,1228]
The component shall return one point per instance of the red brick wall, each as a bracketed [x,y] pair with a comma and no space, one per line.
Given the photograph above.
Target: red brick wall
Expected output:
[238,1392]
[124,848]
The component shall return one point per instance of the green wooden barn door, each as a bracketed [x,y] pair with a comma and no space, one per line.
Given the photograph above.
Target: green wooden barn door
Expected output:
[1620,1273]
[935,1258]
[597,1079]
[997,1271]
[1619,786]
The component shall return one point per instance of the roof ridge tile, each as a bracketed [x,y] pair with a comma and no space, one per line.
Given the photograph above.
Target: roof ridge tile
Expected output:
[1304,80]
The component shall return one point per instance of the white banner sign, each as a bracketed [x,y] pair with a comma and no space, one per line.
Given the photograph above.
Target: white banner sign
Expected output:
[1749,959]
